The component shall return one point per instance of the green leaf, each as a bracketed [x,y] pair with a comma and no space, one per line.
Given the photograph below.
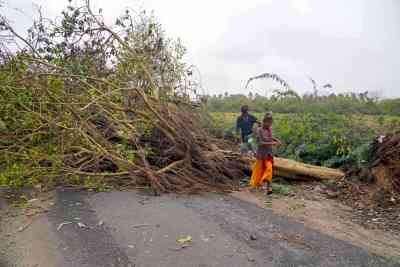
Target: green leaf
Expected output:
[183,240]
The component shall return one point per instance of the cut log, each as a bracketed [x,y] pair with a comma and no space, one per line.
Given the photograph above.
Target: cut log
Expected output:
[292,169]
[300,171]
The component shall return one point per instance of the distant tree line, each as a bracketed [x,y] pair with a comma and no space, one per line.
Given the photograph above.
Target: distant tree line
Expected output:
[289,101]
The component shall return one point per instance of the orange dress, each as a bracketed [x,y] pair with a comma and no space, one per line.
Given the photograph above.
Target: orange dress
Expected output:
[263,167]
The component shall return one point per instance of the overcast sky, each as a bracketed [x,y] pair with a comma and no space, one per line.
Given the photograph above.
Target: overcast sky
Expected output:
[352,44]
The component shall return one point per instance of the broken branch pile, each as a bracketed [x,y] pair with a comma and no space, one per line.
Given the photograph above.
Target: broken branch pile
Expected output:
[167,147]
[90,103]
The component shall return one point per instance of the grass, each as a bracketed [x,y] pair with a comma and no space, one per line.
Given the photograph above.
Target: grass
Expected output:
[281,188]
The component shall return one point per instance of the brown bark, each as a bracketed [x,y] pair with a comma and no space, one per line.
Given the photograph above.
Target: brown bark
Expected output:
[300,171]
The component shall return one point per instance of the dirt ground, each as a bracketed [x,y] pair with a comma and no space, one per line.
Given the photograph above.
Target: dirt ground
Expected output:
[308,203]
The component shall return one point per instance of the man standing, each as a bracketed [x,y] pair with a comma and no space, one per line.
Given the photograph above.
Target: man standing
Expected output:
[244,124]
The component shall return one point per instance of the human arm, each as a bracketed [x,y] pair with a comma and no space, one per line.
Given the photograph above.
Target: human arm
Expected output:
[270,141]
[254,120]
[277,141]
[238,135]
[238,126]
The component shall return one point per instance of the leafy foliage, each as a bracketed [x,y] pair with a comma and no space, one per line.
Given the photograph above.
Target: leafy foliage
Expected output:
[281,188]
[87,104]
[327,139]
[68,66]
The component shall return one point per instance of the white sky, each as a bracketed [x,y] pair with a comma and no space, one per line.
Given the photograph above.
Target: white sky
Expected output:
[353,45]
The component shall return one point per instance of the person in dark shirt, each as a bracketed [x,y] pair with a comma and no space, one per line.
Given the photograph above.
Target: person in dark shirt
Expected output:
[244,126]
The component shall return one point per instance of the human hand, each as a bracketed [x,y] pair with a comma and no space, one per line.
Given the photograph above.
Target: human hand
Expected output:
[275,143]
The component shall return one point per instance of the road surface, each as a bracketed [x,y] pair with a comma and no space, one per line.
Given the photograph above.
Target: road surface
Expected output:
[134,229]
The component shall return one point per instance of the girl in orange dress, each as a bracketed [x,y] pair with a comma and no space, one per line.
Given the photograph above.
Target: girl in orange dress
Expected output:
[263,168]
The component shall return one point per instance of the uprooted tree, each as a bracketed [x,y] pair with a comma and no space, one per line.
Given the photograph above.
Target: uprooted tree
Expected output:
[381,173]
[84,101]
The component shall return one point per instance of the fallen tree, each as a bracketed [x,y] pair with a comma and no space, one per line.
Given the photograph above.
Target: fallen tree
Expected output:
[300,171]
[376,182]
[385,162]
[294,170]
[87,103]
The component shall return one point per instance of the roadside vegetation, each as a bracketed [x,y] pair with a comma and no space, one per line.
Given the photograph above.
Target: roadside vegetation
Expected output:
[333,130]
[327,139]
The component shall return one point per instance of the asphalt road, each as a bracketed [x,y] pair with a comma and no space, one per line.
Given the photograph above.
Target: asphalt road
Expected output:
[133,229]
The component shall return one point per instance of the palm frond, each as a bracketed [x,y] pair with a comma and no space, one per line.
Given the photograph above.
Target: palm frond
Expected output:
[272,76]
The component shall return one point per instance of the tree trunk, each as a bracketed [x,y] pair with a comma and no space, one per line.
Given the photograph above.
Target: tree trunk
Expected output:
[300,171]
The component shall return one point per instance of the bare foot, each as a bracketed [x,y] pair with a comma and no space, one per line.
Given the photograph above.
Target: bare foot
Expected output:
[267,188]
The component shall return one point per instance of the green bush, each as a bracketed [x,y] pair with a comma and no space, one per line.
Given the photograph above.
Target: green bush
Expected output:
[326,139]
